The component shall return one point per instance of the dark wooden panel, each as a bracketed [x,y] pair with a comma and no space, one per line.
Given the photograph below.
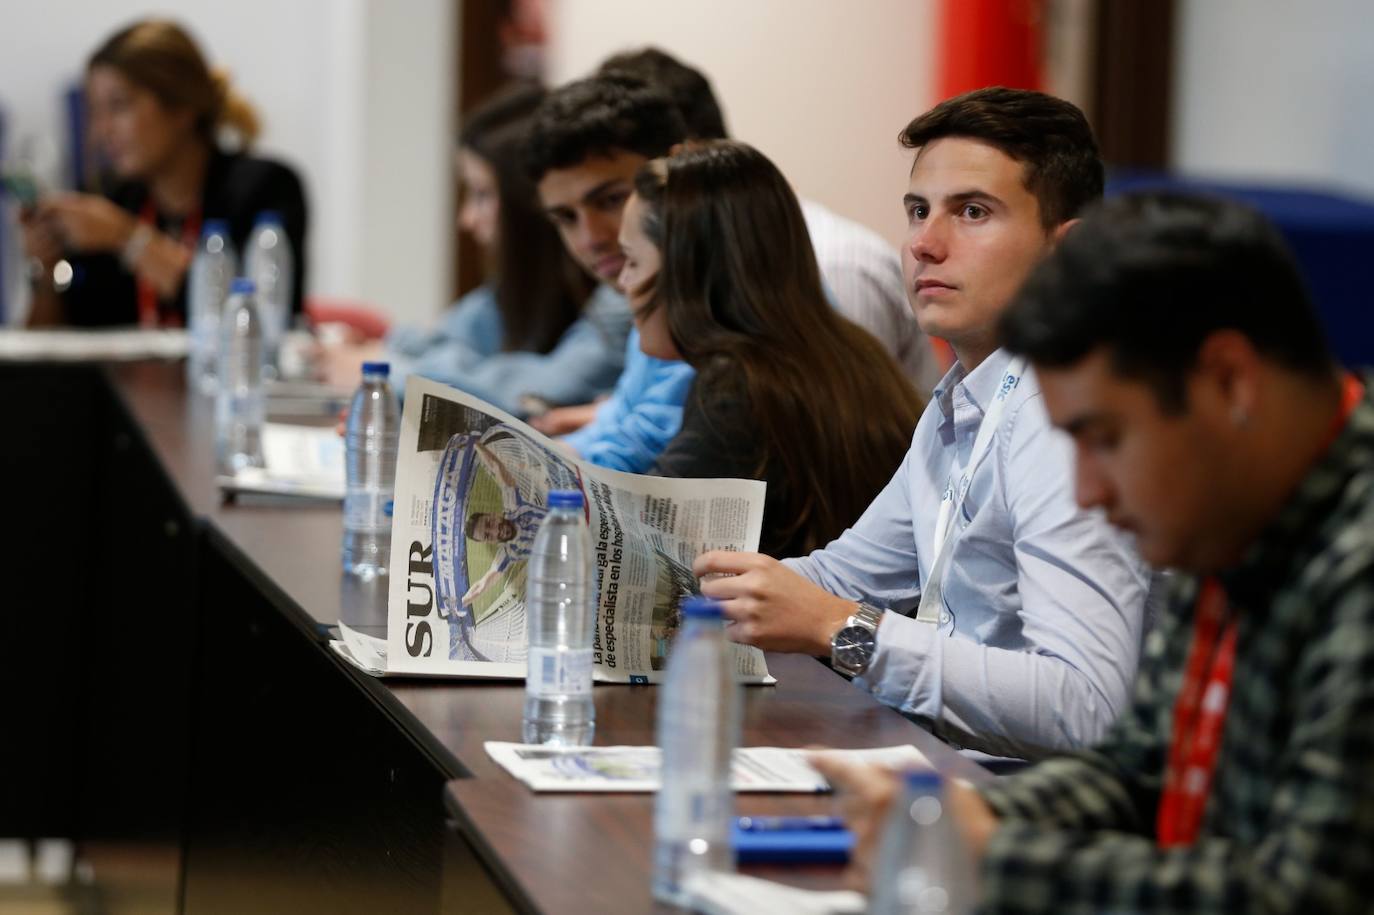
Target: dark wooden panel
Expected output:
[1132,101]
[467,884]
[138,642]
[45,461]
[305,795]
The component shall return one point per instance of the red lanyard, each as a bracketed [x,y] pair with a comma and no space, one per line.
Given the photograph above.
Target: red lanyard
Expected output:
[1199,715]
[1200,711]
[149,311]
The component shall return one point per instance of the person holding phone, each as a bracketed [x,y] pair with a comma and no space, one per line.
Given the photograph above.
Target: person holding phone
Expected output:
[157,113]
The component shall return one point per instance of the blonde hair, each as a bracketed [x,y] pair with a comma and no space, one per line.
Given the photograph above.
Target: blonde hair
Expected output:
[159,55]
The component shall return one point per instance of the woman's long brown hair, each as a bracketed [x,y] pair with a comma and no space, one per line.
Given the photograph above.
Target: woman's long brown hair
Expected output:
[746,308]
[540,289]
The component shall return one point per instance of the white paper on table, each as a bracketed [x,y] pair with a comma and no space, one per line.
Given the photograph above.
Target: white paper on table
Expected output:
[717,893]
[69,345]
[300,461]
[368,654]
[636,769]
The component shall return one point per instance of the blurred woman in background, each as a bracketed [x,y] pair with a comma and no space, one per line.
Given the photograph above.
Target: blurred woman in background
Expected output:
[720,273]
[156,117]
[538,331]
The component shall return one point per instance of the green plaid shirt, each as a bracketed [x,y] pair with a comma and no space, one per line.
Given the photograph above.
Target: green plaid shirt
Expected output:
[1289,824]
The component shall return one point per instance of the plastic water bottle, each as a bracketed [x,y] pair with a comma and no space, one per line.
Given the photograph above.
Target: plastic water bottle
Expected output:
[371,438]
[558,624]
[212,271]
[698,730]
[923,865]
[239,404]
[270,262]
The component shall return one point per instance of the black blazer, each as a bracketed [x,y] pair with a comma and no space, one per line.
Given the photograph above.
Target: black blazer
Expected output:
[237,188]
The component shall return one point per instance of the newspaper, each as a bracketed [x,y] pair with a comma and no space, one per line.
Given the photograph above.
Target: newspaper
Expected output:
[636,769]
[306,461]
[471,490]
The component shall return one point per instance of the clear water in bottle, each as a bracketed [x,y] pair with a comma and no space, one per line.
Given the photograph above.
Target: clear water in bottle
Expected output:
[212,271]
[370,440]
[271,264]
[698,730]
[922,864]
[240,407]
[558,626]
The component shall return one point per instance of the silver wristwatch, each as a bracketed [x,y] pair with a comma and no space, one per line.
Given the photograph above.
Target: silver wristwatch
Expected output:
[852,647]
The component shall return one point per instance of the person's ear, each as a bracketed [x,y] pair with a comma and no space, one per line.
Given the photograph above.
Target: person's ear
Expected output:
[1059,231]
[1227,372]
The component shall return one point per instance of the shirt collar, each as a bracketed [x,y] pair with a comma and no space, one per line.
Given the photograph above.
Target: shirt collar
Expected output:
[1290,536]
[979,385]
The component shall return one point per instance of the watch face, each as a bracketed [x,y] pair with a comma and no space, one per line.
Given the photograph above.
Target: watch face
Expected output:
[852,648]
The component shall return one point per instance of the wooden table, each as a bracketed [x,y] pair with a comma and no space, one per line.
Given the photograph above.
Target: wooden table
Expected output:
[292,781]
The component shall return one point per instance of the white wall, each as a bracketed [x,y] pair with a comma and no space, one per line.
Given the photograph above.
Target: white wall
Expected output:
[1276,89]
[821,87]
[356,94]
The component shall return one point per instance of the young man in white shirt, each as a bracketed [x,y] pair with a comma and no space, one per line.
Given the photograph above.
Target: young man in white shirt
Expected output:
[1027,639]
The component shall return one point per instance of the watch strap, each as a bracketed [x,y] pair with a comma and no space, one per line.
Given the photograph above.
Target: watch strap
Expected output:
[867,616]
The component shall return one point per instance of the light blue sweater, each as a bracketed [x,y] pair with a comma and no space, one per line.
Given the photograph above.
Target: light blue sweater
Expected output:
[464,350]
[632,428]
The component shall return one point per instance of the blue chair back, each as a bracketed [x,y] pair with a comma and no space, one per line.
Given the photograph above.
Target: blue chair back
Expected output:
[1331,234]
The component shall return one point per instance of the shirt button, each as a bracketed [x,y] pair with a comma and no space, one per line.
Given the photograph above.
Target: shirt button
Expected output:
[944,617]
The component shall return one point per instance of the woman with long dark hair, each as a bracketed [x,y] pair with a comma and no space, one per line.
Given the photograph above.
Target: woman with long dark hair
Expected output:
[538,328]
[720,273]
[157,113]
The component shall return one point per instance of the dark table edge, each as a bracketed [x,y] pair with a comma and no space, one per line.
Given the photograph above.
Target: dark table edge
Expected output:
[415,731]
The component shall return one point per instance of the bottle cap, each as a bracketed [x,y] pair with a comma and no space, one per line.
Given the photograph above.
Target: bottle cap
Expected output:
[565,498]
[268,218]
[242,285]
[377,368]
[702,608]
[215,227]
[923,779]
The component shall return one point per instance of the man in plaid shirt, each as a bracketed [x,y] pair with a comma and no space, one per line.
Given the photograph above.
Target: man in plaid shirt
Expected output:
[1175,343]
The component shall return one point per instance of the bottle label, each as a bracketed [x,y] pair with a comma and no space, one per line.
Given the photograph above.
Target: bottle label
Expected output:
[553,672]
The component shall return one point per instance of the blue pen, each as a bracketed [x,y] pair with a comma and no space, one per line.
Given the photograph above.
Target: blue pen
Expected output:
[790,824]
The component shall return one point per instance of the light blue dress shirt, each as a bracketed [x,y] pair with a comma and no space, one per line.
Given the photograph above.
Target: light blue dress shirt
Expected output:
[464,350]
[635,424]
[1040,631]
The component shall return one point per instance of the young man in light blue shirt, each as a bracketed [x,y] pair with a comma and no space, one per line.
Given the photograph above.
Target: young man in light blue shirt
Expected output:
[1024,638]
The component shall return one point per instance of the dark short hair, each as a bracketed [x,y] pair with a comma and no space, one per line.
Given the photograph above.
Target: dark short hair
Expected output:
[599,116]
[686,87]
[1149,276]
[540,289]
[1049,136]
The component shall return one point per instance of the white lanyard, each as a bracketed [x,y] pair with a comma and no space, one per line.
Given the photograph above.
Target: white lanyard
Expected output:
[932,599]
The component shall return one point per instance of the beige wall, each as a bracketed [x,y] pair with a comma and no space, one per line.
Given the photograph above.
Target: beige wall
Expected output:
[820,86]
